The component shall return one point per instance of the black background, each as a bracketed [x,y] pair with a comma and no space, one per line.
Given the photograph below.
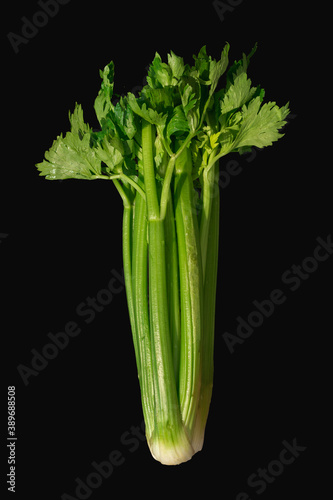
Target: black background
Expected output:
[62,240]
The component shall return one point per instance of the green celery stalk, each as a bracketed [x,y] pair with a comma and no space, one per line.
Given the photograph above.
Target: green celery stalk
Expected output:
[161,150]
[209,233]
[139,286]
[168,443]
[191,290]
[172,270]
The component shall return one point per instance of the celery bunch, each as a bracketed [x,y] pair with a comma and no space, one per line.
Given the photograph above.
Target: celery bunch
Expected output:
[161,150]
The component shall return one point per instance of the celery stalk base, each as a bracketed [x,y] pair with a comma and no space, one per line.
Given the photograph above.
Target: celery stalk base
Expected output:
[171,447]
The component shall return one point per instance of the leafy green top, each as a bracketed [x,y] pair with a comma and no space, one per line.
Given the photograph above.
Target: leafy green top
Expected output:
[182,102]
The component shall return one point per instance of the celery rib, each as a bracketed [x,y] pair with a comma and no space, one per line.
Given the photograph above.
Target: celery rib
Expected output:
[168,442]
[191,291]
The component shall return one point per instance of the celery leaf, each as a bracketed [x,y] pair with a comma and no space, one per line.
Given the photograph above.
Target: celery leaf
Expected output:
[148,114]
[72,156]
[176,64]
[103,100]
[260,126]
[238,94]
[159,73]
[218,68]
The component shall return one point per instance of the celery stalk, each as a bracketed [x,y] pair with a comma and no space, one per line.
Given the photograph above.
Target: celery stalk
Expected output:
[191,290]
[161,151]
[168,442]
